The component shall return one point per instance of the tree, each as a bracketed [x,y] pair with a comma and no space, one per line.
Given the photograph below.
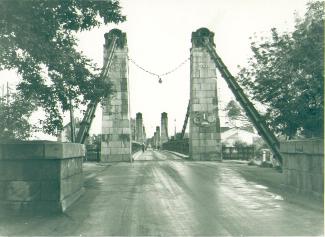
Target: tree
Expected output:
[237,116]
[38,40]
[286,73]
[15,112]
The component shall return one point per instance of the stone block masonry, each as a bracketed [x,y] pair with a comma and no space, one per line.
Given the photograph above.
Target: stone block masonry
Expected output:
[157,137]
[303,166]
[139,128]
[204,136]
[164,128]
[116,127]
[40,176]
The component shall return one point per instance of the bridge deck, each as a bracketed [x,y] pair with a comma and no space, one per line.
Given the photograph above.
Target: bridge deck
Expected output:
[161,194]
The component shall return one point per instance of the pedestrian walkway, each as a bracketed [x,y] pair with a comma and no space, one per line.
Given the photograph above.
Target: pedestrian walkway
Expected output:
[161,194]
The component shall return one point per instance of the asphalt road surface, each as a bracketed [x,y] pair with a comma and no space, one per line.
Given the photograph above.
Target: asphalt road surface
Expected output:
[161,194]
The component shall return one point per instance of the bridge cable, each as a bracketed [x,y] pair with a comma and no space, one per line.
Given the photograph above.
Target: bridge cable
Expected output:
[162,74]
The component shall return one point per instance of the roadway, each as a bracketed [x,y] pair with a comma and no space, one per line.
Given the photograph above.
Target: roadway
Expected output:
[161,194]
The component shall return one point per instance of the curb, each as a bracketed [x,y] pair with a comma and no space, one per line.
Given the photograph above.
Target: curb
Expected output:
[136,155]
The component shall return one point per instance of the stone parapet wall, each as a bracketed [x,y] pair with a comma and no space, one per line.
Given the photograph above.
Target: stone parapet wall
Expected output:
[303,166]
[40,176]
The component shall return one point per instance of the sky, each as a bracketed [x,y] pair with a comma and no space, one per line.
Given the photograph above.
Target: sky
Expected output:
[159,39]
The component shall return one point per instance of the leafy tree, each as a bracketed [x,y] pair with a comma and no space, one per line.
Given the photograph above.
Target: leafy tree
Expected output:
[286,73]
[14,115]
[237,116]
[38,40]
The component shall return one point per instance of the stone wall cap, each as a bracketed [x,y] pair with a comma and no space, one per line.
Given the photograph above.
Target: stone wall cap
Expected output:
[306,146]
[304,140]
[40,150]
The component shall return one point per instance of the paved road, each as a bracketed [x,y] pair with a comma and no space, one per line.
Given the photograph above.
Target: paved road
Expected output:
[161,194]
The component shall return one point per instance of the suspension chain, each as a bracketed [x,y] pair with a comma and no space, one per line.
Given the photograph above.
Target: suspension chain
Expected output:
[156,74]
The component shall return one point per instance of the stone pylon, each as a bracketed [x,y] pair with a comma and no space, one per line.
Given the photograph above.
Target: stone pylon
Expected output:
[144,134]
[154,142]
[164,128]
[116,131]
[132,129]
[157,144]
[204,137]
[139,128]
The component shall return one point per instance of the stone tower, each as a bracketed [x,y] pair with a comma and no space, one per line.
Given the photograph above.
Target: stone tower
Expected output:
[204,139]
[157,137]
[116,131]
[139,128]
[154,142]
[144,135]
[164,128]
[132,120]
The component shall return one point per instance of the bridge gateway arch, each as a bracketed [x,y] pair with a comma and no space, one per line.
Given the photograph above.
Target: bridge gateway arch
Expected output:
[204,122]
[204,127]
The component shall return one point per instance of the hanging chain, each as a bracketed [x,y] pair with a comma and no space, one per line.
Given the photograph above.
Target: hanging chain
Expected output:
[159,75]
[143,69]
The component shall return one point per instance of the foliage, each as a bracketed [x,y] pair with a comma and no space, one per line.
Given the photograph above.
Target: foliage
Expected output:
[14,115]
[286,73]
[38,40]
[239,144]
[233,110]
[237,116]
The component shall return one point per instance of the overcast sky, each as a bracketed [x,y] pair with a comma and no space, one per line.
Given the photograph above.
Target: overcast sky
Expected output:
[159,38]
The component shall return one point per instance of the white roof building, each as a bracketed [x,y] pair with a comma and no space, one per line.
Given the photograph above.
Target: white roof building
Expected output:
[229,137]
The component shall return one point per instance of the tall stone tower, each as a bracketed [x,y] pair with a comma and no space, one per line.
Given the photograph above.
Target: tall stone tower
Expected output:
[164,128]
[204,138]
[139,128]
[116,131]
[154,143]
[144,135]
[132,121]
[157,137]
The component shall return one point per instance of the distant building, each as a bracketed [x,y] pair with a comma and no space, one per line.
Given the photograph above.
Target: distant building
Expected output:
[229,136]
[65,134]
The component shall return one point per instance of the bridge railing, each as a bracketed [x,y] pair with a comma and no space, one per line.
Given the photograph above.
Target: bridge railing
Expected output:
[180,146]
[238,153]
[228,153]
[136,146]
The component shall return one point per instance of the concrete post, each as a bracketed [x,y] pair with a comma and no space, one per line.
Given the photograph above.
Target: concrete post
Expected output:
[164,128]
[204,137]
[116,131]
[139,128]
